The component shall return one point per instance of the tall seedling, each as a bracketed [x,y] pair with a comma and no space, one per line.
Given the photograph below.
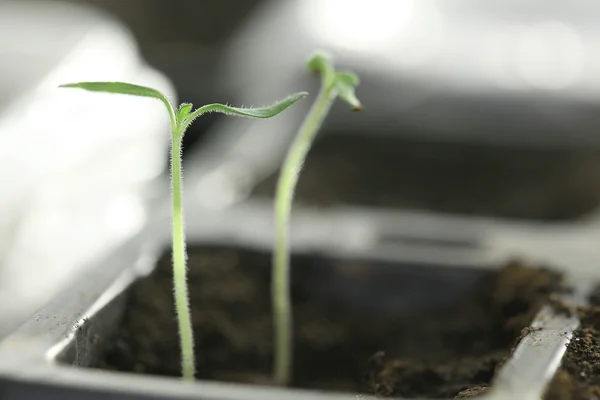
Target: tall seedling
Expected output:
[333,84]
[180,121]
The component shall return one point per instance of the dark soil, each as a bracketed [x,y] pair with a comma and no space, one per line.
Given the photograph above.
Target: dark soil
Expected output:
[341,343]
[578,378]
[446,177]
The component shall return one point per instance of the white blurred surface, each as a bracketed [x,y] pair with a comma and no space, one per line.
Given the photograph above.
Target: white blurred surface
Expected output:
[511,72]
[467,45]
[73,164]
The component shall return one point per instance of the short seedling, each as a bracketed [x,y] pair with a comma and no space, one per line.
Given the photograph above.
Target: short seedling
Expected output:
[333,84]
[180,121]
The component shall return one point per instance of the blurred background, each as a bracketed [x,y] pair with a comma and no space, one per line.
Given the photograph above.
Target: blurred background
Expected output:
[478,109]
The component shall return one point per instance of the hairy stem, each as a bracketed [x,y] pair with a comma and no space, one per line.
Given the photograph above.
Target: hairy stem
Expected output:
[182,306]
[280,290]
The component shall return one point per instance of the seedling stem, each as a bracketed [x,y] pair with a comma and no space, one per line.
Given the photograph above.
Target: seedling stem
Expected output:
[333,84]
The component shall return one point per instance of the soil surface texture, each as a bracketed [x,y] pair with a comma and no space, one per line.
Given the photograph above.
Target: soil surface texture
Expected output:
[344,340]
[371,170]
[578,378]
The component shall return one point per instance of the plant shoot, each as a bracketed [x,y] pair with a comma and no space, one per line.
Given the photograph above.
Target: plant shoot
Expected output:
[333,84]
[180,119]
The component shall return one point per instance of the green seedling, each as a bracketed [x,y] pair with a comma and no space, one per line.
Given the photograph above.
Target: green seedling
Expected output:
[333,84]
[181,119]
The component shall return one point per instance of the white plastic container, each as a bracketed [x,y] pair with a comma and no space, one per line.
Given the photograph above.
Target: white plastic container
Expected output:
[74,165]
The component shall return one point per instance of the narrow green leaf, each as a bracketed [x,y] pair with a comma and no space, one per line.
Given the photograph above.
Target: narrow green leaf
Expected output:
[256,112]
[346,91]
[118,87]
[128,89]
